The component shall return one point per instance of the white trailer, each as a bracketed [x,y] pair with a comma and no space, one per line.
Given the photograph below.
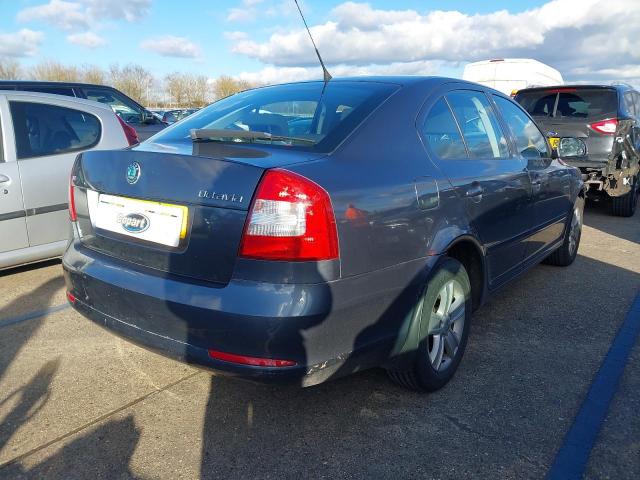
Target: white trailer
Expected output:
[509,75]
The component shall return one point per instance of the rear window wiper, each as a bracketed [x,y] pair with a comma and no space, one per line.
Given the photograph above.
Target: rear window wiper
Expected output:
[213,135]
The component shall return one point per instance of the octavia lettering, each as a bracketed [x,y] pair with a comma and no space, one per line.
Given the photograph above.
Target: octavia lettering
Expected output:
[225,197]
[133,222]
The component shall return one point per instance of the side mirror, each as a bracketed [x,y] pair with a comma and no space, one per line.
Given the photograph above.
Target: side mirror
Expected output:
[571,147]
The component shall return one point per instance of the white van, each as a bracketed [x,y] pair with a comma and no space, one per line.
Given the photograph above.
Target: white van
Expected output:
[509,75]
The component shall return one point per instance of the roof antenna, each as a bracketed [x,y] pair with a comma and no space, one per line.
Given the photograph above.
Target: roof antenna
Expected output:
[325,72]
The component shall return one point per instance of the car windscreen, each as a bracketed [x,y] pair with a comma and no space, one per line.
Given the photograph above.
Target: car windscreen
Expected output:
[304,116]
[579,103]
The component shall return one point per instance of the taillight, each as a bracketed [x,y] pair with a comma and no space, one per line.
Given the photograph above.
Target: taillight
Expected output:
[608,127]
[129,132]
[291,218]
[72,200]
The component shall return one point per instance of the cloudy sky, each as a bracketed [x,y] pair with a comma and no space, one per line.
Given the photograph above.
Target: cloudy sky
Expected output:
[587,40]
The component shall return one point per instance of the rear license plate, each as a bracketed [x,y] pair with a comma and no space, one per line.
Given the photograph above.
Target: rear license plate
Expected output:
[554,142]
[162,223]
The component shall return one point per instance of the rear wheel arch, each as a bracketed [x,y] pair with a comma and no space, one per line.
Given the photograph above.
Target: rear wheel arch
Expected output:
[468,251]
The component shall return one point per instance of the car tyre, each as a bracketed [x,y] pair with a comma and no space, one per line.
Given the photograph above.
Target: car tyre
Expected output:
[625,205]
[444,320]
[566,254]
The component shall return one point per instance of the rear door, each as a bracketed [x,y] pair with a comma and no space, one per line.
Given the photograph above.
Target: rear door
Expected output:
[47,139]
[493,184]
[13,226]
[550,180]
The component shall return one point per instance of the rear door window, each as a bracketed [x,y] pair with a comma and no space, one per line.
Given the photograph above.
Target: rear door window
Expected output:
[578,103]
[42,129]
[480,128]
[441,133]
[530,143]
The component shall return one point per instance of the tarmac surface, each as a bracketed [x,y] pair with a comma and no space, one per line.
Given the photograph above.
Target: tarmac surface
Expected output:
[78,402]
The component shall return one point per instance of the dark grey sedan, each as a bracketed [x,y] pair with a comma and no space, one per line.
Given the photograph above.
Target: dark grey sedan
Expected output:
[305,231]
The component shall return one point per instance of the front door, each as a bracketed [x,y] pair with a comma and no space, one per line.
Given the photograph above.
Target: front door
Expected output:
[551,181]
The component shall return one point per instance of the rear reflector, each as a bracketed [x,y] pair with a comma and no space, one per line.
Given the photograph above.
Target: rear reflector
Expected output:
[607,127]
[71,297]
[73,216]
[291,219]
[129,132]
[253,361]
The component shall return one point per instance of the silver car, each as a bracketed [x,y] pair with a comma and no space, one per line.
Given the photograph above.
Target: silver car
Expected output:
[40,136]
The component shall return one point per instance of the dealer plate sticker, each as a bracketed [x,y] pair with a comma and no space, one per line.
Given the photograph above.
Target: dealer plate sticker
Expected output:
[156,222]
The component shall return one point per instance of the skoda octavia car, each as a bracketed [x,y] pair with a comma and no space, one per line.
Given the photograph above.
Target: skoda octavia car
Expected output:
[305,231]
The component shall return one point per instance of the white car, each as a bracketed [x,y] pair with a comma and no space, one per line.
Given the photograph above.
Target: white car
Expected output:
[40,136]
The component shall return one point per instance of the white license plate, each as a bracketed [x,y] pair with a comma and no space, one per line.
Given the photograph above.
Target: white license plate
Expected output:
[155,222]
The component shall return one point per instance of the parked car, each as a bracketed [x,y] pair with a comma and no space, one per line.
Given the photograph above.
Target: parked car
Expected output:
[40,136]
[172,116]
[366,240]
[145,123]
[607,118]
[509,75]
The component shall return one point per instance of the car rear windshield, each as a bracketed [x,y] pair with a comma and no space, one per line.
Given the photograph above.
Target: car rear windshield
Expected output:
[587,103]
[303,116]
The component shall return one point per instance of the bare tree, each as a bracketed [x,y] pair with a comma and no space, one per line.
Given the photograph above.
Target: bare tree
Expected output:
[177,88]
[9,69]
[226,85]
[55,71]
[133,80]
[198,91]
[94,74]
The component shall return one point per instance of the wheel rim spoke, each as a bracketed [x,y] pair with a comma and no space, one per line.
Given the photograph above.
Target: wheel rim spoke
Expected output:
[437,352]
[451,344]
[446,324]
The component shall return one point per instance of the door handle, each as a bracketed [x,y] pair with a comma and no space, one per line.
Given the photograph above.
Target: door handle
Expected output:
[4,179]
[536,184]
[475,190]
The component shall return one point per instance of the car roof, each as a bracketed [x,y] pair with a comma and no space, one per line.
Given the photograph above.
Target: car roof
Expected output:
[51,83]
[55,98]
[401,80]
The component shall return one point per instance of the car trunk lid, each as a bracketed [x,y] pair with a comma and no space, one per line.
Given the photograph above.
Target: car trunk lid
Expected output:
[172,212]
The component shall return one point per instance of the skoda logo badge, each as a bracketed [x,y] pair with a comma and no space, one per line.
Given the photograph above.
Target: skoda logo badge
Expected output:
[133,173]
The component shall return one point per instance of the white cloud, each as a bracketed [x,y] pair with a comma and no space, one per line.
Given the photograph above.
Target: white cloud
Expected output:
[59,13]
[86,39]
[129,10]
[82,14]
[245,12]
[171,46]
[568,34]
[251,10]
[23,43]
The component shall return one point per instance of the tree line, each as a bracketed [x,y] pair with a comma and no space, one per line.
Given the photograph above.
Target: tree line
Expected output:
[175,89]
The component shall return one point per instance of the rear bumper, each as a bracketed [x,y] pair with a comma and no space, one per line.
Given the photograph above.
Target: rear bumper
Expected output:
[328,329]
